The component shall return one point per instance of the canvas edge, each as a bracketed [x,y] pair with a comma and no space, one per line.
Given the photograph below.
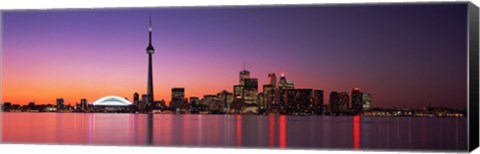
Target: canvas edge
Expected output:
[1,77]
[473,84]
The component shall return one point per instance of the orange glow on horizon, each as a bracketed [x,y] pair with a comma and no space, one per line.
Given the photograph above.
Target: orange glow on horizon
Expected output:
[48,94]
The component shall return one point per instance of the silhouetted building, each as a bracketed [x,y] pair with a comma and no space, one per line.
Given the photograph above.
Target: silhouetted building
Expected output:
[334,103]
[144,98]
[268,95]
[238,92]
[318,101]
[267,88]
[136,98]
[290,95]
[283,83]
[31,106]
[244,74]
[281,98]
[250,91]
[194,101]
[195,105]
[367,100]
[226,98]
[273,79]
[261,101]
[159,105]
[344,101]
[60,103]
[178,95]
[303,100]
[357,103]
[213,103]
[83,104]
[7,106]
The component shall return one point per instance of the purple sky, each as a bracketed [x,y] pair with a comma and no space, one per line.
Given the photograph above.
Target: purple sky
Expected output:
[404,55]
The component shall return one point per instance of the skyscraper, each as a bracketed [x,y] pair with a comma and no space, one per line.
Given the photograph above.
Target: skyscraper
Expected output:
[366,100]
[178,95]
[273,79]
[283,83]
[344,101]
[250,91]
[357,103]
[318,101]
[136,98]
[150,51]
[238,92]
[244,74]
[334,103]
[60,103]
[303,99]
[83,103]
[226,98]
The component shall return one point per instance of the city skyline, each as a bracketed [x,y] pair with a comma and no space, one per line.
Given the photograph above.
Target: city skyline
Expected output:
[104,54]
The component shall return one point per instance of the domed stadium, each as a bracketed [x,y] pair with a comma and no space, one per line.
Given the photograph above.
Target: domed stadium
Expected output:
[112,104]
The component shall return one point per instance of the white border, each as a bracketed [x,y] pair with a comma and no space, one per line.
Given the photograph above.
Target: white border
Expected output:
[49,4]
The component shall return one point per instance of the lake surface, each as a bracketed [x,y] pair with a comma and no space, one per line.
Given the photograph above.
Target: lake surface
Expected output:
[248,131]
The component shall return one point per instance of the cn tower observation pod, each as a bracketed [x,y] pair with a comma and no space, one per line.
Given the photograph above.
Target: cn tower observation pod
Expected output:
[112,101]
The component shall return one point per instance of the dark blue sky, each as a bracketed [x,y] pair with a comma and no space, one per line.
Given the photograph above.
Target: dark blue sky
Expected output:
[404,55]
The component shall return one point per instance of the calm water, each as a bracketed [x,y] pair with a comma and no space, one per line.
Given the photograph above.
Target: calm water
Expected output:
[317,132]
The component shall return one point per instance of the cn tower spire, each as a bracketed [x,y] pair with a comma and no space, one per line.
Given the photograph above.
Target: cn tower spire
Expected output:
[150,48]
[150,51]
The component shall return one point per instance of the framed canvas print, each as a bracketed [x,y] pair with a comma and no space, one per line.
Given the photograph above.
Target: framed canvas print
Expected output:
[381,77]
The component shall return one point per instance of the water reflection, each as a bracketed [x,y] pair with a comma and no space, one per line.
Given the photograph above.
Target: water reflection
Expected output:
[239,130]
[236,131]
[271,130]
[150,129]
[356,132]
[283,132]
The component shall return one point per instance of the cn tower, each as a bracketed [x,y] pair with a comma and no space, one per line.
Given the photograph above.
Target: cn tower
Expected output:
[150,51]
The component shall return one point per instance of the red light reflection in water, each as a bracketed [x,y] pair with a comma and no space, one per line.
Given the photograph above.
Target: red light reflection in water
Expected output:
[356,132]
[271,130]
[283,132]
[239,130]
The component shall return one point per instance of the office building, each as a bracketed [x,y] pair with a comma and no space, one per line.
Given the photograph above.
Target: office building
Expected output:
[244,74]
[344,101]
[83,104]
[367,100]
[318,101]
[303,99]
[226,98]
[178,96]
[273,79]
[60,103]
[250,91]
[357,103]
[334,103]
[136,98]
[283,83]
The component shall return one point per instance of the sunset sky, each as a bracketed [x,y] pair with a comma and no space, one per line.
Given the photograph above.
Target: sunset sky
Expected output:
[404,55]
